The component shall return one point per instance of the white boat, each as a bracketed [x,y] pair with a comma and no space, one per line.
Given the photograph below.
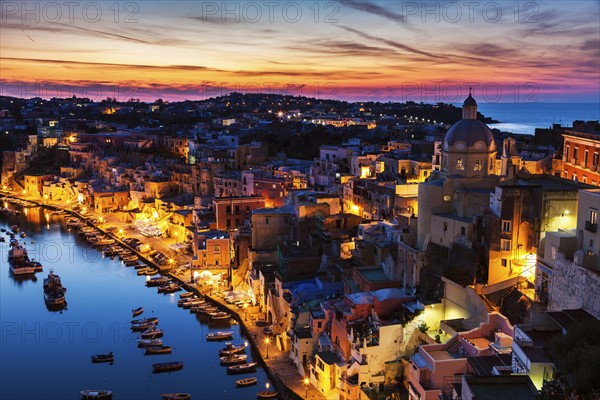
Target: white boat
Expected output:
[96,394]
[216,336]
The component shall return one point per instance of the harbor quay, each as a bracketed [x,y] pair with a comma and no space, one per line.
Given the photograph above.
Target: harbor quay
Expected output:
[277,364]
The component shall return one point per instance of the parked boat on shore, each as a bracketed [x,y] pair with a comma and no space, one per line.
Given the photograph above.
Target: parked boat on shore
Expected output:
[167,366]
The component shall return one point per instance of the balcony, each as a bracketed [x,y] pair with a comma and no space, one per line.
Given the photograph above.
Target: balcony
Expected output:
[591,227]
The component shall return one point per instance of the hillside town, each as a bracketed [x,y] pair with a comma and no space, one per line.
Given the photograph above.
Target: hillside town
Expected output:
[388,250]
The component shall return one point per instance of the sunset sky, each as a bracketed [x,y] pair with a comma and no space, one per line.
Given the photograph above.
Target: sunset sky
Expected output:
[546,51]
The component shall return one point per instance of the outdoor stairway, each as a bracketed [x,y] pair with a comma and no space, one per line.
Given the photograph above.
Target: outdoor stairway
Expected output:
[490,307]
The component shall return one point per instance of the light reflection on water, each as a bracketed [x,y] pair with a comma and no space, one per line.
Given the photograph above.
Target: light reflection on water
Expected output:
[46,355]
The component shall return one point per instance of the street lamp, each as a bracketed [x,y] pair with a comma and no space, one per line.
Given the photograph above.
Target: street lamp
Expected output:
[267,341]
[306,386]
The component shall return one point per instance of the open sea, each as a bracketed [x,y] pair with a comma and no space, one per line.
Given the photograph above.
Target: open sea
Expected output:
[525,117]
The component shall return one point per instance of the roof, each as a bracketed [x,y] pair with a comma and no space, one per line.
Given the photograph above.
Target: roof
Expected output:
[469,131]
[501,387]
[328,357]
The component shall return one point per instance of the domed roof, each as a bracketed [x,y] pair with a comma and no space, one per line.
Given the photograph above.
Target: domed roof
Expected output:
[469,101]
[469,132]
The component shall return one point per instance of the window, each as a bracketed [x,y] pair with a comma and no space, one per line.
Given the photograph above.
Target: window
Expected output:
[463,230]
[478,165]
[504,245]
[445,226]
[216,249]
[266,221]
[595,160]
[593,217]
[567,151]
[576,153]
[217,263]
[228,223]
[585,158]
[506,226]
[574,177]
[504,262]
[459,165]
[584,179]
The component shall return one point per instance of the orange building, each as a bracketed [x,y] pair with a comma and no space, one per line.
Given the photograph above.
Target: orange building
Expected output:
[231,212]
[581,157]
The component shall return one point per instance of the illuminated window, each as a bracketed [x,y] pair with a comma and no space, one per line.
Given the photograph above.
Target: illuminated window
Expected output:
[459,165]
[505,245]
[593,217]
[478,165]
[506,226]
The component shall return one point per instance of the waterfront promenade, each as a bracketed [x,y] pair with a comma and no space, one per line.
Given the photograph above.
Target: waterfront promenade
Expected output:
[278,365]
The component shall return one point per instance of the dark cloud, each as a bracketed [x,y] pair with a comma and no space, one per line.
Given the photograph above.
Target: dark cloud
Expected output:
[375,9]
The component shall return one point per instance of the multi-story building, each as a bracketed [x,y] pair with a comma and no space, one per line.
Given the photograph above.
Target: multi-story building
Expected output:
[231,212]
[212,250]
[581,157]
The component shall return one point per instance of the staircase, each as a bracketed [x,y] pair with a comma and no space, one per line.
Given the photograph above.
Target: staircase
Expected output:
[488,305]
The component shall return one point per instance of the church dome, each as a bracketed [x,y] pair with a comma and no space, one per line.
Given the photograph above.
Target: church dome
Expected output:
[469,133]
[469,101]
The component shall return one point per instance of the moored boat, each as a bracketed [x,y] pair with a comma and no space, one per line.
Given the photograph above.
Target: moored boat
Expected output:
[216,336]
[152,333]
[54,292]
[233,359]
[246,382]
[137,311]
[169,288]
[150,271]
[167,366]
[230,349]
[96,394]
[154,320]
[186,295]
[267,394]
[144,326]
[242,368]
[176,396]
[158,350]
[100,358]
[149,342]
[156,281]
[219,315]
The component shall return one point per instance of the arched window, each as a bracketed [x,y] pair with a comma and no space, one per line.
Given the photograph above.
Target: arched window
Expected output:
[460,166]
[478,165]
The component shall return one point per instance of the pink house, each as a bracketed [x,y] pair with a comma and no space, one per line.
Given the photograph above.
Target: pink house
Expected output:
[435,367]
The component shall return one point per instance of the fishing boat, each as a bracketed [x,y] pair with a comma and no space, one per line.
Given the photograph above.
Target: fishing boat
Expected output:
[219,315]
[231,349]
[167,366]
[130,258]
[54,292]
[15,228]
[149,342]
[37,266]
[246,382]
[23,234]
[142,271]
[233,359]
[96,394]
[176,396]
[216,336]
[242,368]
[186,295]
[101,358]
[193,303]
[150,271]
[267,394]
[152,333]
[144,326]
[169,288]
[158,350]
[156,281]
[137,311]
[154,320]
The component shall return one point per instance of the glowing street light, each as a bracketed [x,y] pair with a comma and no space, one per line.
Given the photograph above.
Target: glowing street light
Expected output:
[267,341]
[306,381]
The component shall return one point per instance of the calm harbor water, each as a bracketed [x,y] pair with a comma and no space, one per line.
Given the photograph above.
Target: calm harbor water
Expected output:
[46,355]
